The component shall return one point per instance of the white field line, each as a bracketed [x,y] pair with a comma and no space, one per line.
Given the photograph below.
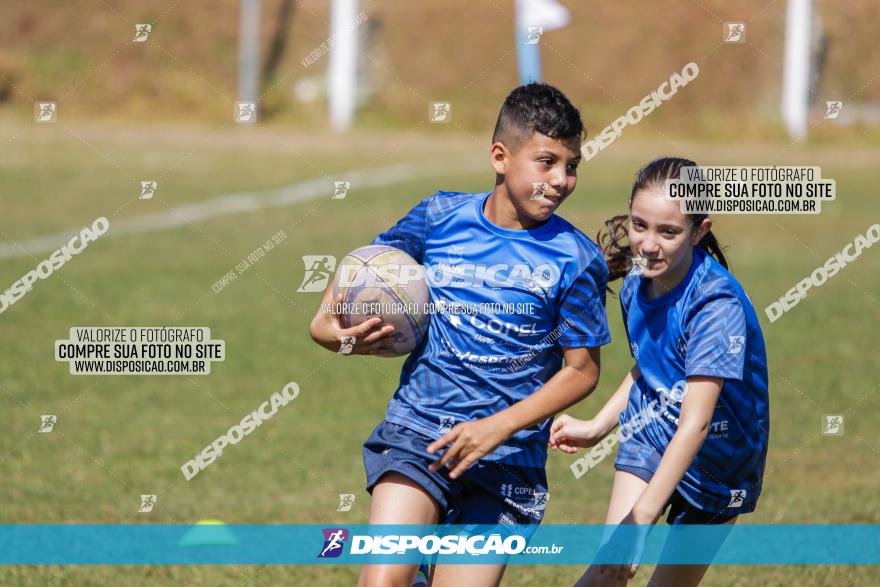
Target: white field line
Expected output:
[236,203]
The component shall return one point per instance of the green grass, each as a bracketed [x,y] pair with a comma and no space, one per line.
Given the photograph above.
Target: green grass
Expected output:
[118,437]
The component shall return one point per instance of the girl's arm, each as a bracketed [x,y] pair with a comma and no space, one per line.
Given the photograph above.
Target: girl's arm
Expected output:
[568,433]
[697,408]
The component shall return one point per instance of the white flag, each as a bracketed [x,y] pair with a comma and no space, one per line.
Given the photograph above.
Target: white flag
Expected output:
[547,14]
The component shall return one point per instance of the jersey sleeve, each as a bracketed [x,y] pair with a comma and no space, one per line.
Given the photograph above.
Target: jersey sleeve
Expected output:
[409,233]
[716,339]
[582,318]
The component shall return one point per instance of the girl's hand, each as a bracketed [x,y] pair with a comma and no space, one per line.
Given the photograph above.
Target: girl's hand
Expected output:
[470,441]
[567,434]
[326,329]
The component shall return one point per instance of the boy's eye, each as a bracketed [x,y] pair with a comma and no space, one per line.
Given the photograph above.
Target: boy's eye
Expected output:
[573,166]
[546,161]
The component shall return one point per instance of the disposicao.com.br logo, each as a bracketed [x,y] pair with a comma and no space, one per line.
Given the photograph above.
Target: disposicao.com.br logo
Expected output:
[408,544]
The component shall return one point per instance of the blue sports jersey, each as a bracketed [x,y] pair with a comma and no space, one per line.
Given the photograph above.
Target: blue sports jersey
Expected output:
[705,326]
[506,301]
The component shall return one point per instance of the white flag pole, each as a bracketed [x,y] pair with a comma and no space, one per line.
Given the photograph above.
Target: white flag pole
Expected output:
[342,74]
[533,18]
[796,75]
[249,51]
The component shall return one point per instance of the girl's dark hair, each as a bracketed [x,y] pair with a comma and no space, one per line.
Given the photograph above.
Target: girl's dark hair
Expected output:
[615,242]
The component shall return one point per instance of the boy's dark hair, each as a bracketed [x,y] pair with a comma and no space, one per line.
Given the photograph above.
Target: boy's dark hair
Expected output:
[614,241]
[536,107]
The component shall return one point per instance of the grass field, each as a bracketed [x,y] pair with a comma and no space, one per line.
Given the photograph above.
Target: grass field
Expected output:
[119,437]
[189,70]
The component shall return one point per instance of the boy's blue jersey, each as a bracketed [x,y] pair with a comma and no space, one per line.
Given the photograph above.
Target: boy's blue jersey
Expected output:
[705,326]
[505,302]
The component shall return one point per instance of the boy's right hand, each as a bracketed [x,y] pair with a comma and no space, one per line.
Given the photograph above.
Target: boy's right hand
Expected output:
[567,434]
[326,329]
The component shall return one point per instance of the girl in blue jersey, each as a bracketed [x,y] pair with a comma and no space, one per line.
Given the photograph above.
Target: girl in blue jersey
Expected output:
[693,409]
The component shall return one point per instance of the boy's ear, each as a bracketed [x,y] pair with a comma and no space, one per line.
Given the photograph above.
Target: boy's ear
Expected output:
[499,155]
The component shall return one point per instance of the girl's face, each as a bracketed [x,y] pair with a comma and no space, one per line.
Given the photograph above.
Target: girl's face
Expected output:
[662,235]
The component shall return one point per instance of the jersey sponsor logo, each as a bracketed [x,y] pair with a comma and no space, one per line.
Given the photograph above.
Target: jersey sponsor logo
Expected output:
[493,326]
[510,490]
[719,429]
[536,505]
[483,339]
[474,358]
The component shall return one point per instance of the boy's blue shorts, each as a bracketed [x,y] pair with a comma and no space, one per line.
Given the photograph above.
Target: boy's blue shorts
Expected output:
[642,461]
[487,493]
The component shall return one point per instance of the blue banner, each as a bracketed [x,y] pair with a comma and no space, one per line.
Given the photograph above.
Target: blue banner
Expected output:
[220,544]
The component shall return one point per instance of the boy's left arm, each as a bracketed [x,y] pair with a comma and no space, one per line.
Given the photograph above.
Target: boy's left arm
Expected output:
[471,441]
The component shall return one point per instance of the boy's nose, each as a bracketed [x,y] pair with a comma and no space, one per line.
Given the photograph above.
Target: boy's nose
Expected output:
[558,181]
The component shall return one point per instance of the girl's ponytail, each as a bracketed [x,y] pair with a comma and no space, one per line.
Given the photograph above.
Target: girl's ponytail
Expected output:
[710,244]
[615,244]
